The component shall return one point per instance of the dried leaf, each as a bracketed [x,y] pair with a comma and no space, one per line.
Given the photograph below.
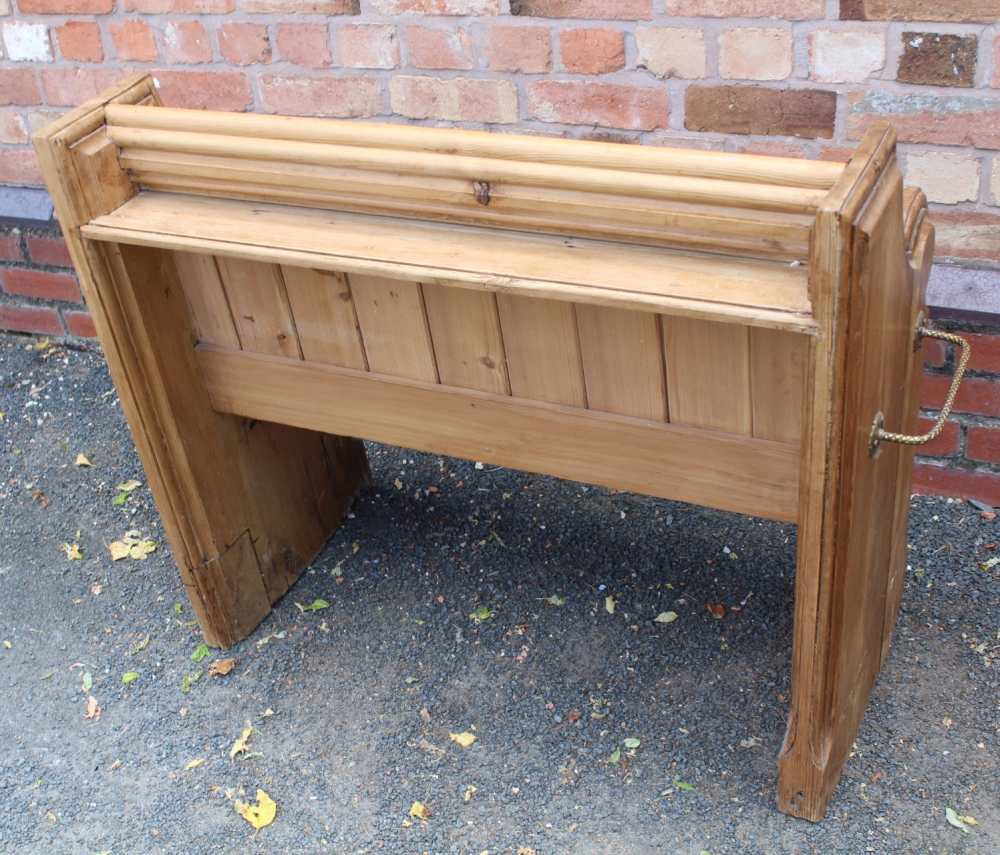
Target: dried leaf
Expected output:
[118,550]
[555,600]
[139,551]
[666,617]
[8,644]
[128,486]
[82,460]
[418,810]
[140,645]
[481,614]
[72,551]
[221,667]
[93,710]
[716,610]
[260,814]
[526,850]
[200,652]
[465,739]
[470,791]
[129,677]
[193,764]
[241,744]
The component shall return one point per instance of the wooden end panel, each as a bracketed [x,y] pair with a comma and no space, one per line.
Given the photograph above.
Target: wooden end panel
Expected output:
[323,312]
[705,467]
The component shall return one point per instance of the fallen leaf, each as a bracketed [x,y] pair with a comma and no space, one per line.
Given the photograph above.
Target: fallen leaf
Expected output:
[221,667]
[526,850]
[481,614]
[573,716]
[139,551]
[609,605]
[241,744]
[682,785]
[418,810]
[40,499]
[193,764]
[464,739]
[260,814]
[397,484]
[989,564]
[129,677]
[96,588]
[8,644]
[72,551]
[956,820]
[989,516]
[470,791]
[315,606]
[752,742]
[93,710]
[666,617]
[119,499]
[87,681]
[118,550]
[140,645]
[716,610]
[188,680]
[82,460]
[128,486]
[200,652]
[555,600]
[615,757]
[631,743]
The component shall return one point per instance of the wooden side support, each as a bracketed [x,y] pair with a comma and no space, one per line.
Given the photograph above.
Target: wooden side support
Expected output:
[245,505]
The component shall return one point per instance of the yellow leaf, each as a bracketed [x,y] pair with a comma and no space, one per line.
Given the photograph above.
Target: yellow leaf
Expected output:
[609,605]
[221,667]
[193,764]
[82,460]
[470,791]
[8,644]
[72,551]
[260,814]
[240,745]
[118,550]
[464,739]
[128,486]
[418,810]
[140,550]
[3,415]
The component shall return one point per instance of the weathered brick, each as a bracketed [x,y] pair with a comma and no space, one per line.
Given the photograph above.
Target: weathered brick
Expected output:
[979,11]
[65,7]
[772,148]
[343,97]
[944,176]
[592,50]
[609,105]
[18,86]
[186,42]
[793,10]
[133,41]
[30,319]
[368,46]
[967,234]
[244,44]
[933,352]
[964,483]
[204,90]
[439,48]
[436,7]
[26,42]
[977,395]
[80,324]
[19,166]
[80,41]
[948,119]
[180,7]
[10,246]
[622,10]
[755,53]
[49,250]
[985,352]
[302,7]
[40,284]
[845,56]
[756,110]
[938,59]
[995,180]
[996,62]
[520,49]
[69,87]
[671,51]
[984,443]
[458,99]
[307,45]
[946,444]
[12,127]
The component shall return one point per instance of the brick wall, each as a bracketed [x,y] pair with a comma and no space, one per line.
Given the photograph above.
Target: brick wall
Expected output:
[792,77]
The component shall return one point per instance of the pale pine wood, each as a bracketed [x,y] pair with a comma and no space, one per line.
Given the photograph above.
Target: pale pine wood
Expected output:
[543,350]
[468,346]
[777,381]
[394,327]
[713,468]
[708,374]
[206,298]
[746,291]
[622,355]
[323,312]
[256,294]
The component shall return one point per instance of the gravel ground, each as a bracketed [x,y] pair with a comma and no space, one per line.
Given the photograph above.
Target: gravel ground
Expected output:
[352,705]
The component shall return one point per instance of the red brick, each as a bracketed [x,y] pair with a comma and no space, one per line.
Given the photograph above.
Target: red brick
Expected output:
[80,41]
[592,51]
[967,234]
[985,352]
[80,324]
[307,45]
[205,90]
[180,7]
[18,86]
[934,352]
[455,99]
[65,7]
[10,247]
[976,395]
[439,48]
[368,46]
[996,62]
[947,444]
[984,444]
[977,11]
[244,44]
[436,7]
[49,250]
[792,10]
[609,105]
[343,97]
[947,119]
[69,87]
[12,127]
[133,40]
[30,319]
[40,284]
[938,59]
[962,483]
[520,49]
[301,7]
[19,166]
[186,42]
[758,110]
[622,10]
[772,148]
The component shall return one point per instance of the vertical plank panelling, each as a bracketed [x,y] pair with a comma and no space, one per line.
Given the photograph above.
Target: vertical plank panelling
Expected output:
[324,316]
[394,327]
[622,361]
[708,374]
[260,307]
[777,371]
[543,349]
[206,298]
[465,330]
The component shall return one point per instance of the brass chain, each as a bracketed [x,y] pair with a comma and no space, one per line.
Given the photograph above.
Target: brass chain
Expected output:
[878,434]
